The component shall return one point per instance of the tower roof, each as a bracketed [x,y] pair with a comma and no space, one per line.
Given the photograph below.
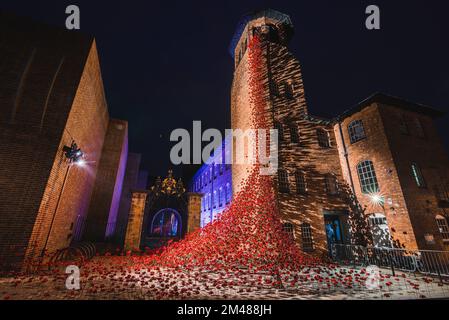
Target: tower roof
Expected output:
[266,13]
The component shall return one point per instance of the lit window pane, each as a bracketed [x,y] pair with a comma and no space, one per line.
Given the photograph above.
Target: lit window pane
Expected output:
[367,177]
[356,131]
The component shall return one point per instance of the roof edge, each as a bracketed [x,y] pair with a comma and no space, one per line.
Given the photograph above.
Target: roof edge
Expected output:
[379,97]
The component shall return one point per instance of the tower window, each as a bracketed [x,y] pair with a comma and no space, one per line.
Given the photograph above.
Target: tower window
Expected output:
[288,229]
[442,227]
[356,131]
[403,127]
[323,138]
[419,128]
[331,184]
[278,127]
[301,186]
[294,134]
[283,181]
[288,88]
[367,177]
[306,237]
[417,175]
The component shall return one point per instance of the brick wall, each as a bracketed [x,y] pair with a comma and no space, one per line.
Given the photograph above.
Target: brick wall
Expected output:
[431,157]
[410,210]
[86,124]
[47,98]
[375,148]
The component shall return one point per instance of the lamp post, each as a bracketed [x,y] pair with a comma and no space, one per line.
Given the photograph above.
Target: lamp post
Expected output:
[73,155]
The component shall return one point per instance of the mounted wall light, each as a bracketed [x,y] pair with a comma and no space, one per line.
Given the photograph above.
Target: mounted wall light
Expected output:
[74,154]
[377,199]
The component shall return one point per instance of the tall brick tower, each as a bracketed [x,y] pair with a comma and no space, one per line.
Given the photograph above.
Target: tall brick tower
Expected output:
[309,175]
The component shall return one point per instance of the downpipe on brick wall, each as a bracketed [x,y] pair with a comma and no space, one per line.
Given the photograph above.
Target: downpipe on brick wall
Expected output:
[55,211]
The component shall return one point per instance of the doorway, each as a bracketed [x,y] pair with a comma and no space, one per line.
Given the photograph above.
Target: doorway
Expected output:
[337,230]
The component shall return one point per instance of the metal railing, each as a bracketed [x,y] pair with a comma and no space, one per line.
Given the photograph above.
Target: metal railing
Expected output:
[426,262]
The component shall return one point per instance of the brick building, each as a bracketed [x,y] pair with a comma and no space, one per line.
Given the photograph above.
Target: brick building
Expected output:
[394,160]
[51,93]
[396,143]
[307,184]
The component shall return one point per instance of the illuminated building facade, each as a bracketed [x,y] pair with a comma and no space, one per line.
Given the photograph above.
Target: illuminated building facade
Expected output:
[214,181]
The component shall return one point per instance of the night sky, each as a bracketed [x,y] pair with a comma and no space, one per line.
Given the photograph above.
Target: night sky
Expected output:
[166,63]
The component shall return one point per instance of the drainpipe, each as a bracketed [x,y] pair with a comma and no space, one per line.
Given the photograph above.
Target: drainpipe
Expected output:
[346,155]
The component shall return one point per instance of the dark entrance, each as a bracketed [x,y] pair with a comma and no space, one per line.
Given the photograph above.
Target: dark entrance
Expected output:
[337,231]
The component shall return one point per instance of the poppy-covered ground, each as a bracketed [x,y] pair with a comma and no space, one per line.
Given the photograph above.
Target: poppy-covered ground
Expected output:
[126,278]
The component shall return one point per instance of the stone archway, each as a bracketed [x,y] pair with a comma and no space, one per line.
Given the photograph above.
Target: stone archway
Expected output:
[166,188]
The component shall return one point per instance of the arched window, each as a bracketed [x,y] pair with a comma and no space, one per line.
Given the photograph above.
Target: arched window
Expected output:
[442,227]
[331,184]
[166,223]
[288,229]
[367,177]
[279,128]
[403,127]
[294,134]
[323,138]
[356,131]
[283,181]
[301,185]
[306,237]
[214,199]
[419,128]
[288,89]
[417,175]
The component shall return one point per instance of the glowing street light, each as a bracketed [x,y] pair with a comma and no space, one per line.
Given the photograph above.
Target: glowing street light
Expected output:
[377,199]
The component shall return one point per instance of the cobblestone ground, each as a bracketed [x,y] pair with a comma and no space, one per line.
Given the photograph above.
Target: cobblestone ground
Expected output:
[144,284]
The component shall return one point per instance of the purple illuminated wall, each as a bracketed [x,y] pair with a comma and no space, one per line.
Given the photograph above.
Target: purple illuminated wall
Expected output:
[115,203]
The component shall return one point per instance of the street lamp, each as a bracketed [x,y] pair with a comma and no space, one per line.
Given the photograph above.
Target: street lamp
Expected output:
[74,156]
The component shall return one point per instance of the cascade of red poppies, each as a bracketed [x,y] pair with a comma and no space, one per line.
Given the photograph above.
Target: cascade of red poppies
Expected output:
[249,233]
